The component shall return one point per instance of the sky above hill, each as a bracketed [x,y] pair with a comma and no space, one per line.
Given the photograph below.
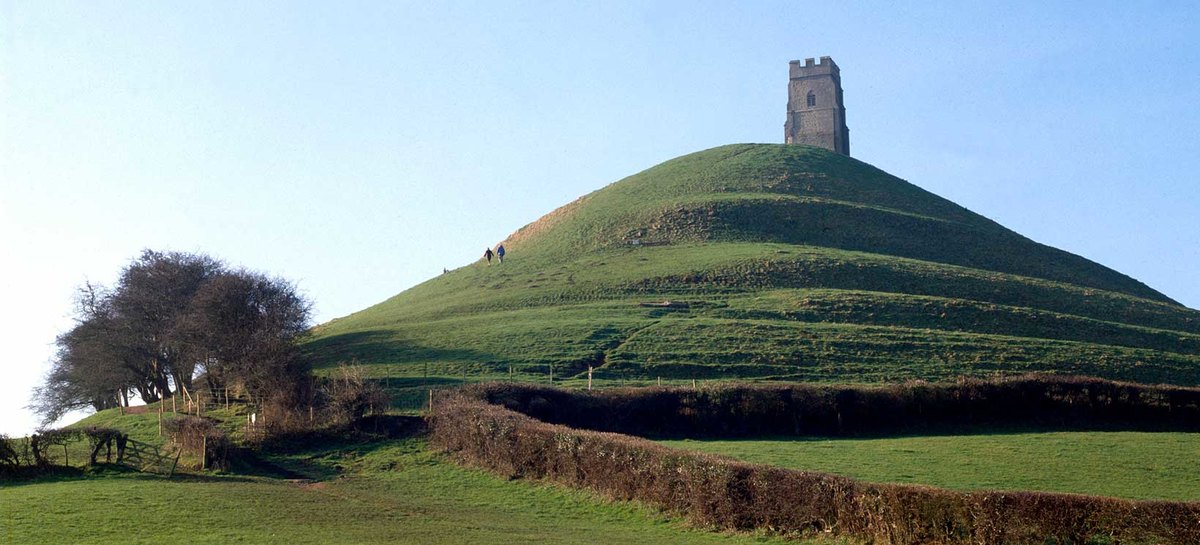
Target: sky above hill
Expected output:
[359,148]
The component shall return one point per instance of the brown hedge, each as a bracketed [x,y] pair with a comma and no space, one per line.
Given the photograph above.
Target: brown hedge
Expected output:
[726,494]
[200,436]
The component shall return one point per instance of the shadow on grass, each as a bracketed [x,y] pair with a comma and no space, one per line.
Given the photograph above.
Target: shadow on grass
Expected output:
[57,474]
[325,455]
[382,347]
[330,460]
[36,475]
[407,383]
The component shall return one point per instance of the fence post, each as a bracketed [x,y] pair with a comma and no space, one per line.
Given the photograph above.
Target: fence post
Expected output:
[589,378]
[175,463]
[160,411]
[551,373]
[204,452]
[430,400]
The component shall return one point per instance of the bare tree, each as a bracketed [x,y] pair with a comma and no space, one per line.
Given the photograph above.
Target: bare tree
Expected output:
[171,316]
[92,367]
[150,300]
[243,326]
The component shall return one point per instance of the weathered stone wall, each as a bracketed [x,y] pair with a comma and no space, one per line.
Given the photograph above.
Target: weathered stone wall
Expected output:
[820,121]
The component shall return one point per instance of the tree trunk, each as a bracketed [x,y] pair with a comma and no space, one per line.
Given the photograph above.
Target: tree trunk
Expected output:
[164,386]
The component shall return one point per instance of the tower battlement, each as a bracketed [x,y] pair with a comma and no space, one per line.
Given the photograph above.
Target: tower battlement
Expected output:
[812,68]
[816,115]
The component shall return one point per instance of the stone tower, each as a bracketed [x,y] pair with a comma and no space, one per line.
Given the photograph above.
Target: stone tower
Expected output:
[815,113]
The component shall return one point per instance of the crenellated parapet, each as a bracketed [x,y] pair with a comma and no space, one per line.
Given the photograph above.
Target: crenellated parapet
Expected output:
[811,67]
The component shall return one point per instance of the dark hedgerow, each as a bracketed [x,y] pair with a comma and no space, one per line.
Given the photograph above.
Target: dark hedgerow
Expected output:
[727,494]
[1060,402]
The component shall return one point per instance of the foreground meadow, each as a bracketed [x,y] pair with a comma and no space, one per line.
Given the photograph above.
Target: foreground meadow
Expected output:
[1133,465]
[386,492]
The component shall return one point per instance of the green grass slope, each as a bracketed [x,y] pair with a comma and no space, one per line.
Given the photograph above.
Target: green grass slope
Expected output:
[780,261]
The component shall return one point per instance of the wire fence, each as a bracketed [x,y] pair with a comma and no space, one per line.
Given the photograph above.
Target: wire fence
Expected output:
[76,453]
[410,389]
[411,393]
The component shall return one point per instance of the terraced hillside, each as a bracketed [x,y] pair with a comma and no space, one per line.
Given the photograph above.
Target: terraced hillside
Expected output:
[773,261]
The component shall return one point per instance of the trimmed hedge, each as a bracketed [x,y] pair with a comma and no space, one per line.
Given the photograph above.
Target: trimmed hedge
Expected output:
[1058,402]
[727,494]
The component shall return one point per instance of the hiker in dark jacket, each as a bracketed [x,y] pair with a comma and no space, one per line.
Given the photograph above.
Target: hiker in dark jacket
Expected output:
[487,254]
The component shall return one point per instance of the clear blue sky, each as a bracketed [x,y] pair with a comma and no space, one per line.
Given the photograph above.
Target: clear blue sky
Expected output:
[359,148]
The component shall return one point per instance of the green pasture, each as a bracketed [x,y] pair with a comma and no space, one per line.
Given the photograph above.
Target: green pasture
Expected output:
[1133,465]
[385,492]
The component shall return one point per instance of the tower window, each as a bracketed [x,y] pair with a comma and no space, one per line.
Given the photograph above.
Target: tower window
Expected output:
[812,99]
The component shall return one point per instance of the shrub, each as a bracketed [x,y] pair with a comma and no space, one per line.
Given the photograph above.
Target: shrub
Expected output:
[41,442]
[10,459]
[349,396]
[201,437]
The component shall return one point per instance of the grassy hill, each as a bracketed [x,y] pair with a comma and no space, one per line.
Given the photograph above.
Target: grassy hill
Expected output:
[771,261]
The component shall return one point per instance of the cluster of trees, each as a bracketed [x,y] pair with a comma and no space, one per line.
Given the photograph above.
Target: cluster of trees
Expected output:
[173,319]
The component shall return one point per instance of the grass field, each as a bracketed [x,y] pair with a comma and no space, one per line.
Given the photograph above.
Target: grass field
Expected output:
[393,492]
[1131,465]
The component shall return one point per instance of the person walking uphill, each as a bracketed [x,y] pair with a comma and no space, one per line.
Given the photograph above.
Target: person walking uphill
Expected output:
[500,252]
[487,254]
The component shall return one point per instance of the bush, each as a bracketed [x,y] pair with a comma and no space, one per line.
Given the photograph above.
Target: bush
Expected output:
[10,459]
[41,442]
[200,437]
[349,396]
[105,438]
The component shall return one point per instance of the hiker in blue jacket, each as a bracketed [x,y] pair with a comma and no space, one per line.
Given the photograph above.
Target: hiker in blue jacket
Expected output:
[500,252]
